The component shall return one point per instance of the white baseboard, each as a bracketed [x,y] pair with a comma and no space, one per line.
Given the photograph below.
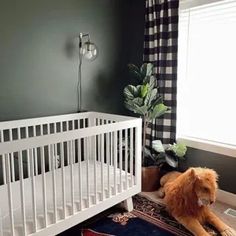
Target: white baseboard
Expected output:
[226,197]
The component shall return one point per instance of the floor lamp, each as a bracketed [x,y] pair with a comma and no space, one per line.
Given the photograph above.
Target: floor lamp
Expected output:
[87,51]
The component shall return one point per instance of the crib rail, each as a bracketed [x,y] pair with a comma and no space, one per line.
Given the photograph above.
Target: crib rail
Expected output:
[64,169]
[28,128]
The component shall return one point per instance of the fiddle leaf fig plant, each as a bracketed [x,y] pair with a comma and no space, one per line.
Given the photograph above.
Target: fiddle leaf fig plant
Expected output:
[144,99]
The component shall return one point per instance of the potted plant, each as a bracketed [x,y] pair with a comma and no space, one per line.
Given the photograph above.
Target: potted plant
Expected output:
[144,100]
[170,154]
[165,158]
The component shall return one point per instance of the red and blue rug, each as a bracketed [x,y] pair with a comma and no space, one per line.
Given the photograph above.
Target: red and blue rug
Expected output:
[147,218]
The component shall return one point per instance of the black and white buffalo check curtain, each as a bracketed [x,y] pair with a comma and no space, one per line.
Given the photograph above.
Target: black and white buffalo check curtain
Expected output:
[160,48]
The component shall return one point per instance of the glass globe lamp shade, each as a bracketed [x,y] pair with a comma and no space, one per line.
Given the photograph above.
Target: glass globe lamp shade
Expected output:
[89,51]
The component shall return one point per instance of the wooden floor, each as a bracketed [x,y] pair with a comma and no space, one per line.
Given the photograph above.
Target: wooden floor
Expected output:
[217,207]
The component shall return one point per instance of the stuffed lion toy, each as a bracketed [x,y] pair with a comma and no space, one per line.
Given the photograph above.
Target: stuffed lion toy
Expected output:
[187,197]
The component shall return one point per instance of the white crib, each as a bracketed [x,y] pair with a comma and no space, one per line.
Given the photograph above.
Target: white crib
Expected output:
[59,171]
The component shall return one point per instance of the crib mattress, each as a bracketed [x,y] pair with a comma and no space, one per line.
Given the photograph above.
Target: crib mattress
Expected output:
[110,171]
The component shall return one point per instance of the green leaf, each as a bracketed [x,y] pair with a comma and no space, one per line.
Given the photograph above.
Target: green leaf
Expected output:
[147,152]
[157,101]
[146,69]
[171,160]
[151,95]
[179,149]
[158,146]
[138,101]
[139,90]
[141,110]
[130,92]
[130,106]
[151,81]
[158,111]
[144,90]
[135,71]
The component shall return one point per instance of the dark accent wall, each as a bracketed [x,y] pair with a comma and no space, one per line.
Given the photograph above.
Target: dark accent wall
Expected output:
[38,69]
[38,72]
[223,165]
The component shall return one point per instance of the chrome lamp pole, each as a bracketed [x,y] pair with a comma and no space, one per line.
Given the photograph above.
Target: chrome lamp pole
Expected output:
[87,51]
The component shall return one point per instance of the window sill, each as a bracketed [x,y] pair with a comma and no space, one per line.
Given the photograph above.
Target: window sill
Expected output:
[206,145]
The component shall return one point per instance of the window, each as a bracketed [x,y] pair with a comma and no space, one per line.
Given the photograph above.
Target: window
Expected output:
[207,72]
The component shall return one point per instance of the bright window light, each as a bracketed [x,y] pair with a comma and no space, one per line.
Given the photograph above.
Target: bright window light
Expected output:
[207,73]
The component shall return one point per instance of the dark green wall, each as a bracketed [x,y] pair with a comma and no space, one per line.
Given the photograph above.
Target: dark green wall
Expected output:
[38,75]
[223,165]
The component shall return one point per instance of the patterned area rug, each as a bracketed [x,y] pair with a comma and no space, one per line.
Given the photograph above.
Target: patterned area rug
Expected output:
[155,213]
[124,224]
[147,218]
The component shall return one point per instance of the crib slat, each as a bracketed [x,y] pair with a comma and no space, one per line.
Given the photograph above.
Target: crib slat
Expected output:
[111,149]
[9,190]
[3,160]
[28,161]
[54,127]
[18,134]
[49,160]
[35,153]
[34,131]
[54,190]
[61,127]
[126,159]
[48,129]
[26,131]
[22,192]
[71,157]
[12,158]
[79,173]
[31,156]
[41,130]
[138,145]
[98,122]
[10,135]
[120,159]
[3,169]
[95,167]
[1,136]
[63,180]
[54,156]
[131,154]
[87,170]
[108,162]
[44,185]
[115,161]
[102,164]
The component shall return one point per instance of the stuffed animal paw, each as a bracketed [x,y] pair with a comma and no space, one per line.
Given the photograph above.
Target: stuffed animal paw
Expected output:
[228,232]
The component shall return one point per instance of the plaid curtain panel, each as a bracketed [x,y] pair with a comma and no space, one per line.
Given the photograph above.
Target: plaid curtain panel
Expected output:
[160,48]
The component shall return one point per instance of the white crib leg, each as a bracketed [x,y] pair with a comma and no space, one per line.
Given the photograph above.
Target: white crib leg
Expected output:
[128,204]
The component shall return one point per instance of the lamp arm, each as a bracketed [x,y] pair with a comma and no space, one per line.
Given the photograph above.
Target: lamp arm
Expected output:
[79,85]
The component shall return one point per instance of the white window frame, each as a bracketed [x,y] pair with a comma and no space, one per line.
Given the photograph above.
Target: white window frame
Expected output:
[202,144]
[185,4]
